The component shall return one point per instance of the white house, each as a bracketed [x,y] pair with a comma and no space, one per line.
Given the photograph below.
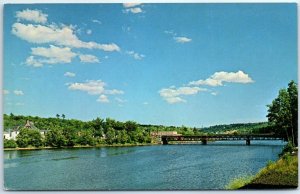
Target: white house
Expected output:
[10,134]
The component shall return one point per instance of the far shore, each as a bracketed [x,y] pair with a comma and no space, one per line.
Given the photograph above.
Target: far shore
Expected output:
[82,146]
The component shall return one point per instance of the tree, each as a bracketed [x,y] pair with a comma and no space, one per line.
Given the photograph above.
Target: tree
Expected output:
[63,116]
[86,138]
[130,126]
[110,136]
[55,138]
[70,136]
[57,116]
[293,94]
[29,137]
[283,111]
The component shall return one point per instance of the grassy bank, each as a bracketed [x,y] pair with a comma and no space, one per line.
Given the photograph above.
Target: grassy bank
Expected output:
[280,174]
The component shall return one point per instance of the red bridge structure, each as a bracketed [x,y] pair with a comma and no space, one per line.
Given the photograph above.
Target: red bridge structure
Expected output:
[219,137]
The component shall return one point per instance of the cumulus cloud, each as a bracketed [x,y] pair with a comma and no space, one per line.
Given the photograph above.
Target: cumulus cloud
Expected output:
[95,87]
[18,92]
[69,74]
[54,54]
[173,95]
[103,98]
[36,16]
[135,55]
[182,39]
[88,59]
[63,36]
[127,5]
[218,79]
[32,61]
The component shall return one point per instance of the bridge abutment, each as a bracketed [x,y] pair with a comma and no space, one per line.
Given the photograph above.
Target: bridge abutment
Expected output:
[248,141]
[164,140]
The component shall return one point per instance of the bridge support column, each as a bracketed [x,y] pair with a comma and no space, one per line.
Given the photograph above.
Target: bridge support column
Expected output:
[248,141]
[164,140]
[204,141]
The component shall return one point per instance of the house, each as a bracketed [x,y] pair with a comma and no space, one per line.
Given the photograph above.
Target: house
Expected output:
[12,133]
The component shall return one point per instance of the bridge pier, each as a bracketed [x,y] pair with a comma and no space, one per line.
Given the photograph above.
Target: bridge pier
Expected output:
[204,141]
[248,141]
[164,140]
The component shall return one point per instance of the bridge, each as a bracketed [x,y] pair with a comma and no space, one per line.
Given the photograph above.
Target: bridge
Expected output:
[219,137]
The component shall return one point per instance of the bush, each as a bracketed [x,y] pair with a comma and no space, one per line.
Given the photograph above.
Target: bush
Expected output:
[10,143]
[288,148]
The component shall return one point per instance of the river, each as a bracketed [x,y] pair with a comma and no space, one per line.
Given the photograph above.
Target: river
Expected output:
[161,167]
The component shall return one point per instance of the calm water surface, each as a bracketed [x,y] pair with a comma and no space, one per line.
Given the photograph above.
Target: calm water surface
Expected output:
[160,167]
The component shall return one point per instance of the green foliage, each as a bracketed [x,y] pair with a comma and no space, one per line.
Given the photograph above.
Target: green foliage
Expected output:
[283,113]
[55,138]
[110,136]
[29,137]
[70,136]
[86,138]
[288,148]
[10,143]
[261,127]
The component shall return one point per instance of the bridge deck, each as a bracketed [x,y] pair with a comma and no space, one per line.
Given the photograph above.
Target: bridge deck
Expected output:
[220,137]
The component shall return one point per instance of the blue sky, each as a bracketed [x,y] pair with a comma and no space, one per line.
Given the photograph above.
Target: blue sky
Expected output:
[171,64]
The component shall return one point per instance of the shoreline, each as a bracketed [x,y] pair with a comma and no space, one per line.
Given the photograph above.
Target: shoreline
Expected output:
[280,174]
[80,146]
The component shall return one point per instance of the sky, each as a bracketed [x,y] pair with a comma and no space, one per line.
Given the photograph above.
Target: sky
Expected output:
[170,64]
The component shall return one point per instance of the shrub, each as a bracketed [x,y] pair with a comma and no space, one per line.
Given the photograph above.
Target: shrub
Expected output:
[10,143]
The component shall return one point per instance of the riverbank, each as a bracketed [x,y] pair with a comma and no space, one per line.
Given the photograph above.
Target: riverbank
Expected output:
[81,146]
[282,174]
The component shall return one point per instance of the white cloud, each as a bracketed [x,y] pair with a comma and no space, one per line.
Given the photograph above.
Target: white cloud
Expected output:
[88,59]
[92,87]
[130,4]
[145,103]
[120,100]
[36,16]
[20,104]
[218,79]
[135,10]
[31,61]
[53,54]
[172,95]
[5,92]
[89,32]
[103,98]
[63,36]
[18,92]
[95,87]
[69,74]
[113,92]
[97,21]
[214,93]
[135,55]
[182,39]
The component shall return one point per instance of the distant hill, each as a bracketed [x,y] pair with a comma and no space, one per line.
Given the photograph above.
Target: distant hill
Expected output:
[260,127]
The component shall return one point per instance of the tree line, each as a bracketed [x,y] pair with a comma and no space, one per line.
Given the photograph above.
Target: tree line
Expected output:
[282,120]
